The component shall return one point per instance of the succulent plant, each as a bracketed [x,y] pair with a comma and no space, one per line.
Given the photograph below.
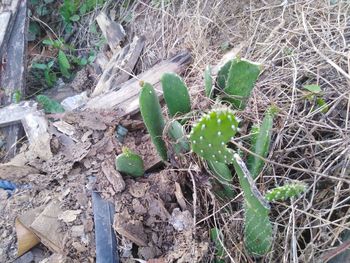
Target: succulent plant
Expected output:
[282,193]
[208,82]
[240,82]
[175,94]
[222,77]
[224,177]
[179,140]
[217,238]
[261,140]
[151,113]
[211,133]
[129,163]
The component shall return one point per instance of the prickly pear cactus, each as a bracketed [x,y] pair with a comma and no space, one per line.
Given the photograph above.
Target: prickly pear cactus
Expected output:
[224,177]
[223,75]
[211,133]
[261,143]
[282,193]
[130,163]
[151,113]
[179,140]
[208,82]
[175,94]
[240,82]
[257,226]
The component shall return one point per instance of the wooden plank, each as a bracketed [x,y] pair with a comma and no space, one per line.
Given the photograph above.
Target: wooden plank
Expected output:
[126,98]
[112,31]
[15,113]
[8,11]
[12,76]
[119,68]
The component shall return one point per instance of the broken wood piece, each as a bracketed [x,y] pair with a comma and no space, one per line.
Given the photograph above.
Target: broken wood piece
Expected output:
[111,30]
[12,72]
[15,173]
[127,97]
[65,128]
[119,68]
[113,176]
[8,13]
[74,102]
[36,128]
[15,113]
[47,227]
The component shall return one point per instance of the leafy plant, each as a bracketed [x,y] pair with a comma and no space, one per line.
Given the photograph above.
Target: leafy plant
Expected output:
[179,140]
[49,105]
[129,163]
[216,236]
[50,76]
[315,95]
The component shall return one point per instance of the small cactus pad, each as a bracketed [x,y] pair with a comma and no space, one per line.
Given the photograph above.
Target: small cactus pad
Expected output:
[179,140]
[261,141]
[175,94]
[151,113]
[217,237]
[211,133]
[240,82]
[129,163]
[223,75]
[290,190]
[222,175]
[208,82]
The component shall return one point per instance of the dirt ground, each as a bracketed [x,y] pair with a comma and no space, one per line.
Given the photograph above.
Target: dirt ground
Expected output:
[166,215]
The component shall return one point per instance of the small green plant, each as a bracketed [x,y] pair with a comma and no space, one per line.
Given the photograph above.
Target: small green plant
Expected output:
[179,140]
[236,80]
[152,116]
[49,74]
[285,192]
[208,82]
[217,237]
[175,94]
[49,105]
[224,177]
[314,95]
[261,143]
[16,96]
[129,163]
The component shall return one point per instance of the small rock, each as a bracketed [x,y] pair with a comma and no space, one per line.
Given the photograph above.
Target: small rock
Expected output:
[181,220]
[69,215]
[77,231]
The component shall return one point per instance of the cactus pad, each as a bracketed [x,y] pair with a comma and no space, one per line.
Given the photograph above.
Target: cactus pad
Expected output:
[130,163]
[208,82]
[179,140]
[290,190]
[240,82]
[175,94]
[211,133]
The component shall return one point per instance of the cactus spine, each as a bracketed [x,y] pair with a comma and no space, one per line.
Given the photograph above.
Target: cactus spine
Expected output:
[130,163]
[175,94]
[261,143]
[152,116]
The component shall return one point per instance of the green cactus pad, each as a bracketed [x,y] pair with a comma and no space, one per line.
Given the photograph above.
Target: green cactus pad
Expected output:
[129,163]
[175,94]
[261,143]
[179,140]
[211,133]
[223,75]
[49,105]
[258,228]
[240,82]
[216,237]
[224,177]
[208,81]
[282,193]
[151,113]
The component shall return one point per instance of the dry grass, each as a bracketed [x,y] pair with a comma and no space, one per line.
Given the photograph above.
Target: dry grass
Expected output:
[299,43]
